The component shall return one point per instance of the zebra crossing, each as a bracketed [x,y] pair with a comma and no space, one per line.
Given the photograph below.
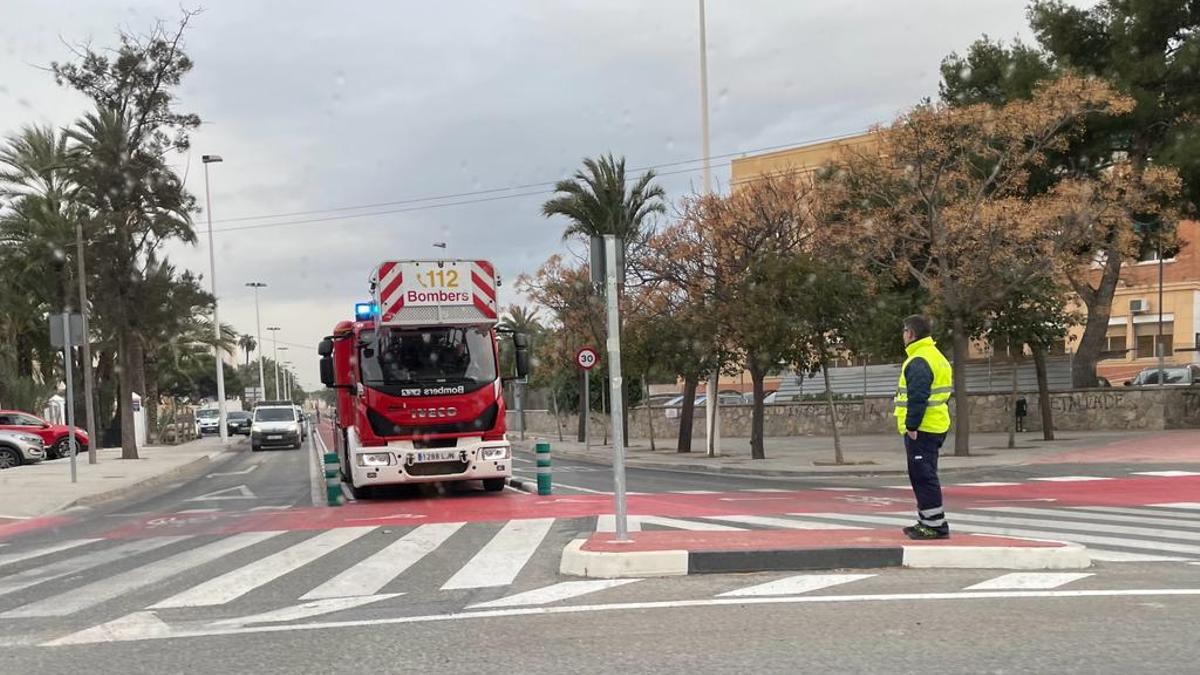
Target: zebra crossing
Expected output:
[337,565]
[1168,532]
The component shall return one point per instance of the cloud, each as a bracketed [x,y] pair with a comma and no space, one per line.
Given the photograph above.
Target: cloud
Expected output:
[319,105]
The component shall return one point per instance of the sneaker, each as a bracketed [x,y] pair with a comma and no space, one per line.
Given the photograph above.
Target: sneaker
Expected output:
[920,532]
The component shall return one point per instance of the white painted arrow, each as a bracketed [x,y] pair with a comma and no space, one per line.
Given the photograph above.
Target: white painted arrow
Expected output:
[235,473]
[239,492]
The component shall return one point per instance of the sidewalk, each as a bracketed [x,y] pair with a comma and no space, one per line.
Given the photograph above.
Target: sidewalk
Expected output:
[41,489]
[884,454]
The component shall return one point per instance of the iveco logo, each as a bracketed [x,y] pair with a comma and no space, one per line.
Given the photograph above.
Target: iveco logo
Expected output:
[435,412]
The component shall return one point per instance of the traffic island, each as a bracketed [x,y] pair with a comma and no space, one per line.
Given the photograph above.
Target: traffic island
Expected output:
[676,553]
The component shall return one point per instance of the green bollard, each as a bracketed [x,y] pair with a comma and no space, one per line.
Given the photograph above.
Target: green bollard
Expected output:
[543,467]
[333,480]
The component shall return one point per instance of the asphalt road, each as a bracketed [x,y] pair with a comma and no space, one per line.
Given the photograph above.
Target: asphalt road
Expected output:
[235,570]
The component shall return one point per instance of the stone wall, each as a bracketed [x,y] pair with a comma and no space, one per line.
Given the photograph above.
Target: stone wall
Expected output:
[1143,408]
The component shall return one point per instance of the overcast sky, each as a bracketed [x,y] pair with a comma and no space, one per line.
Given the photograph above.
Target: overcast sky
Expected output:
[317,106]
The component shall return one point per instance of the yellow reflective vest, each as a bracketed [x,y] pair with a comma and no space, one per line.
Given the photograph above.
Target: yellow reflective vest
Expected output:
[937,415]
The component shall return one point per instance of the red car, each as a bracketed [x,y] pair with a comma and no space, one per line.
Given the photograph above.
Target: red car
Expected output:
[53,435]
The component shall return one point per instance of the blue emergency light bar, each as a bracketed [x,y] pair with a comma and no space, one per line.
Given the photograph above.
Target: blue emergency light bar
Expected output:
[364,310]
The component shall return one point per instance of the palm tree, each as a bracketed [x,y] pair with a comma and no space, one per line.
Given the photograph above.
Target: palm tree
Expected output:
[596,201]
[247,343]
[521,319]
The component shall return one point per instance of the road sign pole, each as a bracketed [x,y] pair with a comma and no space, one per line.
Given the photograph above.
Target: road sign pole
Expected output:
[615,388]
[585,408]
[66,324]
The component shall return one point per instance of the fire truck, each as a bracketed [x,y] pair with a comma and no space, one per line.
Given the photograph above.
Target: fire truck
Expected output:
[418,379]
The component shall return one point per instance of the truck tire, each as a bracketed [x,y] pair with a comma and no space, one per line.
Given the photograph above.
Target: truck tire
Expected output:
[494,484]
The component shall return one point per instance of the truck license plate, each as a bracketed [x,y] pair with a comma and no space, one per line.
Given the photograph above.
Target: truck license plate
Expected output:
[437,456]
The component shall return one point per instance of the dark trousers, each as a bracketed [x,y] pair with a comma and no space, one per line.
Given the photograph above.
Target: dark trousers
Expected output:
[922,473]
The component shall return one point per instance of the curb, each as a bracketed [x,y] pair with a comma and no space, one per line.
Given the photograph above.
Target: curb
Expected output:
[196,466]
[524,485]
[760,473]
[611,565]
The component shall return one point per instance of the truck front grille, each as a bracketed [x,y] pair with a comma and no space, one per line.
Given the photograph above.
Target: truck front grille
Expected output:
[382,426]
[436,468]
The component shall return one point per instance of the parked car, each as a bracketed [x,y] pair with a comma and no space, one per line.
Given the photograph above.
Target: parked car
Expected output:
[768,396]
[275,426]
[20,447]
[56,437]
[238,422]
[1174,376]
[208,421]
[661,400]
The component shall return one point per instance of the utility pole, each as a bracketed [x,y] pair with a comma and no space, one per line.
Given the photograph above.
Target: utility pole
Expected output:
[89,386]
[212,268]
[275,356]
[616,411]
[262,387]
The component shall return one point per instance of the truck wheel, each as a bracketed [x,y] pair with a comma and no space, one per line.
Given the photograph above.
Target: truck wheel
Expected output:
[9,458]
[493,484]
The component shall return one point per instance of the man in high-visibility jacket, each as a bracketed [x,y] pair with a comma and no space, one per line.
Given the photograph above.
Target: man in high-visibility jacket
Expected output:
[923,417]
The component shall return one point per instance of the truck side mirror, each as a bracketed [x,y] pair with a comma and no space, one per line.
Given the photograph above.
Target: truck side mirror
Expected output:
[521,341]
[327,378]
[325,348]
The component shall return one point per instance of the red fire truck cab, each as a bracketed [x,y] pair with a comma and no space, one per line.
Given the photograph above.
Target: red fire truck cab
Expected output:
[418,381]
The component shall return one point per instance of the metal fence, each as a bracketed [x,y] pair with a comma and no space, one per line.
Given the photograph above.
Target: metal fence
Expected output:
[880,380]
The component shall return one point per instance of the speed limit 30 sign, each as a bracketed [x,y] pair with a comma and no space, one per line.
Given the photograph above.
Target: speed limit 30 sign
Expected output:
[586,358]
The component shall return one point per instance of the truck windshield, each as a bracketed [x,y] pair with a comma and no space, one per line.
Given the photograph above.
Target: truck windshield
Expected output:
[427,356]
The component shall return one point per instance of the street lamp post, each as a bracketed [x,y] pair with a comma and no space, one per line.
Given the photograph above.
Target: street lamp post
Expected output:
[281,384]
[711,400]
[287,379]
[262,381]
[212,275]
[275,354]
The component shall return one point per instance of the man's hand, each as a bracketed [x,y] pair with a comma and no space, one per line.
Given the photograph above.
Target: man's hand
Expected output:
[912,435]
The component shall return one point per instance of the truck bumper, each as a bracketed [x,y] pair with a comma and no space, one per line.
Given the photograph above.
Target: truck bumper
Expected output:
[470,459]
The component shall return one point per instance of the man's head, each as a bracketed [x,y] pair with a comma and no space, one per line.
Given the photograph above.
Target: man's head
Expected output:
[915,328]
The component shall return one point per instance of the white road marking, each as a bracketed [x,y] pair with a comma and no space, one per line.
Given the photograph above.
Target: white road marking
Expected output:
[7,517]
[1105,517]
[554,593]
[146,626]
[1121,556]
[521,460]
[500,561]
[897,487]
[606,522]
[269,508]
[1166,474]
[583,489]
[1133,511]
[235,584]
[983,484]
[762,489]
[1069,479]
[378,570]
[45,550]
[786,523]
[795,585]
[1029,533]
[842,489]
[692,492]
[1100,528]
[62,568]
[198,510]
[239,492]
[92,594]
[1195,506]
[1028,581]
[305,610]
[233,473]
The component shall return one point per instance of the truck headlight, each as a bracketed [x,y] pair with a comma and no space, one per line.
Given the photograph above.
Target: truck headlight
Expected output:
[500,452]
[375,459]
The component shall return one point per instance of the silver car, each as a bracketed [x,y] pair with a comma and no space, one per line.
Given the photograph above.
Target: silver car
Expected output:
[18,447]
